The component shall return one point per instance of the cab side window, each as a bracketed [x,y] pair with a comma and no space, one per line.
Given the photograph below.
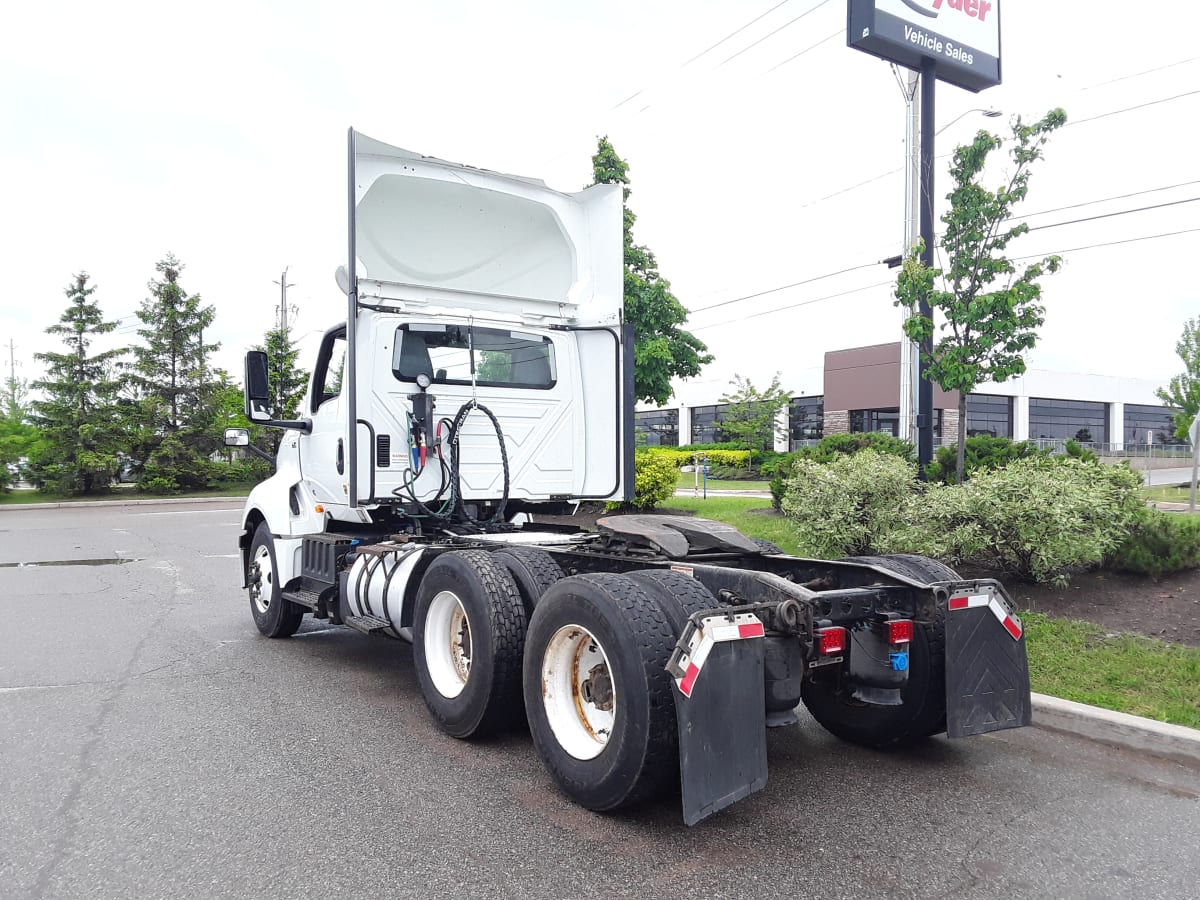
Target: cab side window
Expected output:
[327,379]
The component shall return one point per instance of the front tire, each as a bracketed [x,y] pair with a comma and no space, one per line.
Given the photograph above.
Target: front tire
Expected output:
[468,639]
[273,616]
[597,695]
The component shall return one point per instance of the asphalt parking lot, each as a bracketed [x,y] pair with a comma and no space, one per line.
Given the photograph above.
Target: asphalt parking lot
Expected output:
[152,744]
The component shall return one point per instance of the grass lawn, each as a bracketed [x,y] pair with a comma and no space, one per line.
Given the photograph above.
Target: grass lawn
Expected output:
[17,498]
[1079,661]
[1073,660]
[1172,494]
[735,511]
[687,481]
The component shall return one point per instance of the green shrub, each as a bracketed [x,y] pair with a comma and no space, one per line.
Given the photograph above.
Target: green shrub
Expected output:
[835,445]
[654,481]
[982,452]
[777,470]
[174,466]
[679,458]
[1075,449]
[1160,543]
[242,471]
[843,507]
[1038,518]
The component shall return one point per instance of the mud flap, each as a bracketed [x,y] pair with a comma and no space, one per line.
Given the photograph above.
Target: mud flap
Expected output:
[723,730]
[987,672]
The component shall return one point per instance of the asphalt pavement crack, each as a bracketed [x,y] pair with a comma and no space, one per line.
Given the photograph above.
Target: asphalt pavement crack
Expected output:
[66,813]
[973,878]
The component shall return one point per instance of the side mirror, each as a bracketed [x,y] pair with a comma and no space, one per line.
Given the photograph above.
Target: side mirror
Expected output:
[258,387]
[237,437]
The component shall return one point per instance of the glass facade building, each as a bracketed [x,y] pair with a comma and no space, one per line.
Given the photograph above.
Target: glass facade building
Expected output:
[1085,421]
[989,414]
[706,424]
[1157,419]
[887,421]
[806,419]
[657,428]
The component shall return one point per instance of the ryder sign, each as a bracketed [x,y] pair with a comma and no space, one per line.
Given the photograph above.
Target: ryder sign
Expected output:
[961,36]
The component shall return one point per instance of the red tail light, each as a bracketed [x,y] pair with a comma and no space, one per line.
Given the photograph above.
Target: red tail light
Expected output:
[899,631]
[831,640]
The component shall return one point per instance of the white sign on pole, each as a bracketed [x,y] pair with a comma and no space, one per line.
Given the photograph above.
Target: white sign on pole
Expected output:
[961,36]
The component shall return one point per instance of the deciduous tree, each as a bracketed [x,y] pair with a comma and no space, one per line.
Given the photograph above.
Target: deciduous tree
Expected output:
[1183,392]
[751,415]
[990,306]
[663,350]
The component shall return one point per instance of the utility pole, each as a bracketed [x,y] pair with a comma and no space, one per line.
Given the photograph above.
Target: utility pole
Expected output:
[909,352]
[283,330]
[283,304]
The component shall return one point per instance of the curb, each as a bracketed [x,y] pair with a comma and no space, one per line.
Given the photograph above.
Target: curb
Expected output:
[101,504]
[1174,742]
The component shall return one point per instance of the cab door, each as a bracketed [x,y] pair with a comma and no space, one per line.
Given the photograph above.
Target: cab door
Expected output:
[323,451]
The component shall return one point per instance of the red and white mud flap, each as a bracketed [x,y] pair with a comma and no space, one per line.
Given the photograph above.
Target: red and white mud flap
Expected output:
[721,709]
[987,671]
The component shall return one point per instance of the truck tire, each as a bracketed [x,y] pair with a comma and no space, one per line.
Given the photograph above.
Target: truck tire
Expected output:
[468,638]
[678,595]
[273,616]
[533,570]
[597,695]
[922,712]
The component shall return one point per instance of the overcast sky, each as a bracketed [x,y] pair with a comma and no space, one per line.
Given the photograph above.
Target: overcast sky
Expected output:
[216,131]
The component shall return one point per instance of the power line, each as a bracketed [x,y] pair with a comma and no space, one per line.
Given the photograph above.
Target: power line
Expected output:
[883,175]
[1123,212]
[767,312]
[769,34]
[730,35]
[1107,199]
[1117,112]
[1139,74]
[1148,237]
[783,287]
[805,50]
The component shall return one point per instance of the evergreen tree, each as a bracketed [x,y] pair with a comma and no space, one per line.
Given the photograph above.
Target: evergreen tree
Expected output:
[287,381]
[176,393]
[80,426]
[662,349]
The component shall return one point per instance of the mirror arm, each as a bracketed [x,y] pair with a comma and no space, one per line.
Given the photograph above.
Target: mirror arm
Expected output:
[304,425]
[261,454]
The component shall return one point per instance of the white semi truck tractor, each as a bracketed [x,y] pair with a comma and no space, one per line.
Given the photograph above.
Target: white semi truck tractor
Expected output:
[483,375]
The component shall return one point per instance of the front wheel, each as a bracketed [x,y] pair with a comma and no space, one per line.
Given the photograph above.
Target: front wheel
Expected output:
[468,637]
[273,616]
[597,695]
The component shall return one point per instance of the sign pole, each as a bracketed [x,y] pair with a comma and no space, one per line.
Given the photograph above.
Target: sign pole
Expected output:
[925,386]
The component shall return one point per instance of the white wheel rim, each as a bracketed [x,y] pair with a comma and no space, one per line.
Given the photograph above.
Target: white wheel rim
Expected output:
[448,644]
[262,587]
[578,692]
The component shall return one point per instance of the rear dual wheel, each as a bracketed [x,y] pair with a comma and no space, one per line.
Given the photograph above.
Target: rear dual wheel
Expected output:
[922,710]
[468,639]
[599,701]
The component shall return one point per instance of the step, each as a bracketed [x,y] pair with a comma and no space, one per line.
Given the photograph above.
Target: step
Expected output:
[367,624]
[310,599]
